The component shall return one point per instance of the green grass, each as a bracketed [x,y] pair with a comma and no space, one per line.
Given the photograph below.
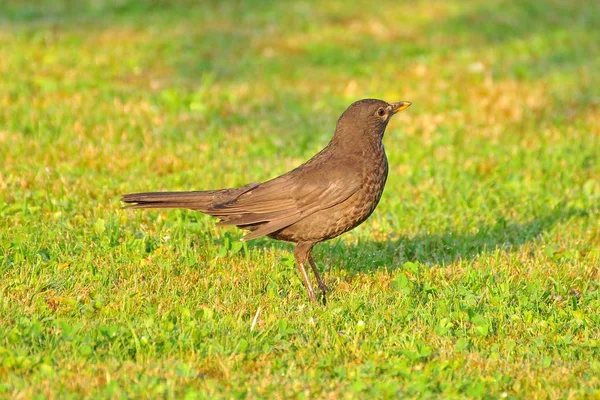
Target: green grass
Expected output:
[477,276]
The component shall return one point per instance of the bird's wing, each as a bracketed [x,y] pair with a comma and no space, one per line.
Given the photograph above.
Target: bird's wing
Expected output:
[285,200]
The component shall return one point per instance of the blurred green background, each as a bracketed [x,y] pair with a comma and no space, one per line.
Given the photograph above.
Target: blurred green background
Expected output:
[477,276]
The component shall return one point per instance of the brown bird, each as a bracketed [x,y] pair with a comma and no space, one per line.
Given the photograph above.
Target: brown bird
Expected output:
[328,195]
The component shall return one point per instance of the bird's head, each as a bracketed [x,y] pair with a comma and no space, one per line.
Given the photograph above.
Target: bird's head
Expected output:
[368,118]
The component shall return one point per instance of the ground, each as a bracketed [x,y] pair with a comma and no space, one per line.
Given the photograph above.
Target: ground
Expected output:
[477,275]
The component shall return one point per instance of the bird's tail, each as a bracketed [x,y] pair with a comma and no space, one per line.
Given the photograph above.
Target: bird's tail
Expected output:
[192,200]
[203,201]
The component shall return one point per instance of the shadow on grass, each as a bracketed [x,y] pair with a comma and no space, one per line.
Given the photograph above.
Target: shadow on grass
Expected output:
[431,249]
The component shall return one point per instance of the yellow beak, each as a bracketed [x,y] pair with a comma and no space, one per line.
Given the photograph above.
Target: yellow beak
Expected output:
[401,105]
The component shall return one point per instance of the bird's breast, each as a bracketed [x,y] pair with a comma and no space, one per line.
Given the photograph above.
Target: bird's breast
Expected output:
[331,222]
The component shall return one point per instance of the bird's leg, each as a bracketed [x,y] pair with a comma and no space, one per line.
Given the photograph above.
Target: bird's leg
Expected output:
[322,285]
[301,253]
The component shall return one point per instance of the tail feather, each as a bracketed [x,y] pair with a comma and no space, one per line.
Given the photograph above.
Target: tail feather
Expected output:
[193,200]
[215,203]
[203,201]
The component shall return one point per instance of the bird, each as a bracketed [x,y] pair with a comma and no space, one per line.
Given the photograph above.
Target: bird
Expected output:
[330,194]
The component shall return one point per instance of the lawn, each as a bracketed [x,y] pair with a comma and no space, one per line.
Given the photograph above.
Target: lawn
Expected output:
[477,276]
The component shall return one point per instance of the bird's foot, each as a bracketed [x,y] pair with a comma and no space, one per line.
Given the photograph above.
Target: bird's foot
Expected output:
[323,293]
[323,287]
[312,296]
[324,297]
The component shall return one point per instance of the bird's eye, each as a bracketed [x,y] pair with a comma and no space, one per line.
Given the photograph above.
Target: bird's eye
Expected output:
[381,111]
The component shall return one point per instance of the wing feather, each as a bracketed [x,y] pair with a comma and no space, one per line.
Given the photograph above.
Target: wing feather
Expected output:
[285,200]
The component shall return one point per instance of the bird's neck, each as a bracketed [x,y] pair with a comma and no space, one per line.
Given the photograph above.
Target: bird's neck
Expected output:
[358,142]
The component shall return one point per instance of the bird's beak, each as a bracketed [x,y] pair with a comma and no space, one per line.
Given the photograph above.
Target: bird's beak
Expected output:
[401,105]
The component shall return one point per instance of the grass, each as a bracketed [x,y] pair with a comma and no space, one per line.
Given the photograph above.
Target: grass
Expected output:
[477,276]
